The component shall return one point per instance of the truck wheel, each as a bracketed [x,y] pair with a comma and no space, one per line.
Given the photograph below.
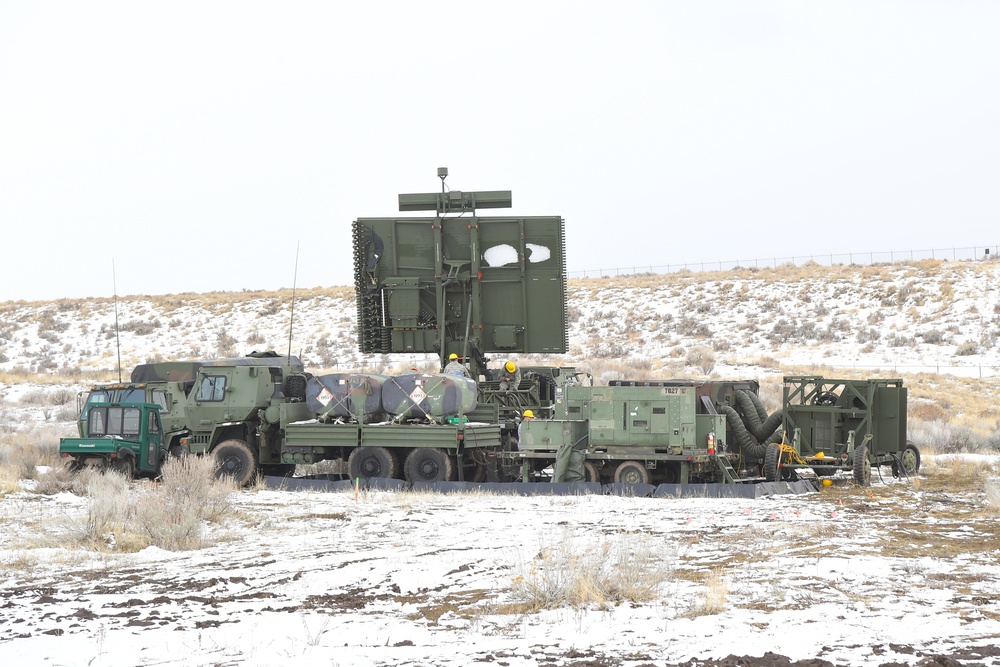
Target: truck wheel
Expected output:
[862,467]
[632,472]
[428,465]
[368,462]
[235,459]
[772,462]
[910,460]
[590,472]
[124,466]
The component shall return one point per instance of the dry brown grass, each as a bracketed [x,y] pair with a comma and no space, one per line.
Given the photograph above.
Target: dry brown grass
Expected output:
[27,376]
[124,517]
[714,597]
[956,474]
[629,569]
[62,479]
[224,302]
[10,480]
[768,274]
[21,453]
[991,487]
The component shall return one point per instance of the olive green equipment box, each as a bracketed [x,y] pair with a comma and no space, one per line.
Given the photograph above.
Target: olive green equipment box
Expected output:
[632,435]
[835,425]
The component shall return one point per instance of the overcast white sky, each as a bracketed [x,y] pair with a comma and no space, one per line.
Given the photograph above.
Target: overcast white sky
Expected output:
[197,143]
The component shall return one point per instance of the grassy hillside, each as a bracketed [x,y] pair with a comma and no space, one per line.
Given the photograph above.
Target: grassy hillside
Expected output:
[934,323]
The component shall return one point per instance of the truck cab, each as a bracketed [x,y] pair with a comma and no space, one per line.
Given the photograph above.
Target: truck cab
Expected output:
[105,394]
[127,437]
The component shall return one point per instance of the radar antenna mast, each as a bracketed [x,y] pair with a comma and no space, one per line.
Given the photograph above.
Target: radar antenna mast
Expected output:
[118,341]
[291,317]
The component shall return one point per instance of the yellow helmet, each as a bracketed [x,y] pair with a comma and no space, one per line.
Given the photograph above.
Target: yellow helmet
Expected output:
[510,366]
[528,414]
[452,357]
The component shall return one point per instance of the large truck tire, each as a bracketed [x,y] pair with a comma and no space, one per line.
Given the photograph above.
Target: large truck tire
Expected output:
[909,459]
[236,460]
[124,465]
[428,465]
[631,472]
[862,467]
[369,462]
[772,462]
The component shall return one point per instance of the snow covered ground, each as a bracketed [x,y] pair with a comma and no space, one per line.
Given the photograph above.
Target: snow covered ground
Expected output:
[891,575]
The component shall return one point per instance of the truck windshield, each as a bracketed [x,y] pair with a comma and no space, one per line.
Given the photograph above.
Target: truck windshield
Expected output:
[98,396]
[125,395]
[114,420]
[95,397]
[131,395]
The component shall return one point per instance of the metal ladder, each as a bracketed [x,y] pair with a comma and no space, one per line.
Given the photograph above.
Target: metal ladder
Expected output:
[727,470]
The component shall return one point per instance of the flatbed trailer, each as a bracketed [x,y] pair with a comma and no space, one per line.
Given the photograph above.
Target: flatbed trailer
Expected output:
[422,452]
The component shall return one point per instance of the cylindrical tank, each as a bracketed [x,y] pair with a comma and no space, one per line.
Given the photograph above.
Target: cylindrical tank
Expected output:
[347,395]
[428,395]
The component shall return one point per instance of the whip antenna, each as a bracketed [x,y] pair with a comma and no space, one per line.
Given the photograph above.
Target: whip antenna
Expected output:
[118,342]
[291,319]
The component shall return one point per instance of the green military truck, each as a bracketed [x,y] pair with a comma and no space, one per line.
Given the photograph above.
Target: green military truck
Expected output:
[126,437]
[252,415]
[218,407]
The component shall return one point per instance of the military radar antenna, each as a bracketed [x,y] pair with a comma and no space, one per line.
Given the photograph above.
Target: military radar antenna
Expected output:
[460,282]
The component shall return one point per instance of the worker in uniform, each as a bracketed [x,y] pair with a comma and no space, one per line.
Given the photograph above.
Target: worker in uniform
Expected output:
[456,367]
[510,376]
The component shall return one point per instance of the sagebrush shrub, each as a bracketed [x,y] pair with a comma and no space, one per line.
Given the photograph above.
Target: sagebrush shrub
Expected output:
[126,517]
[23,452]
[966,349]
[172,513]
[629,569]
